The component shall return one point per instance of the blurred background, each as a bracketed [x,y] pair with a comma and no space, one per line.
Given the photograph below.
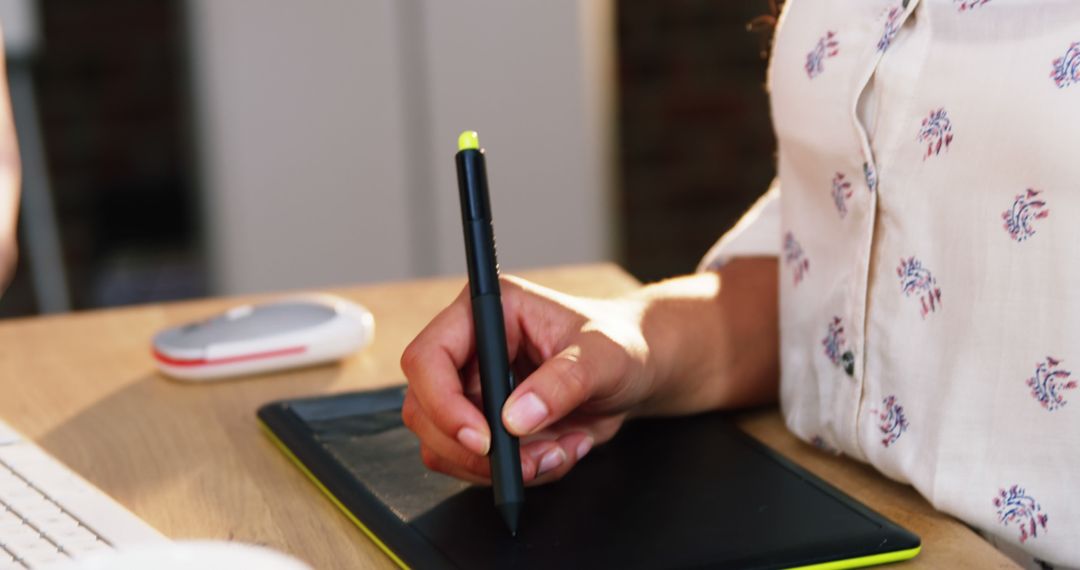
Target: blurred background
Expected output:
[182,148]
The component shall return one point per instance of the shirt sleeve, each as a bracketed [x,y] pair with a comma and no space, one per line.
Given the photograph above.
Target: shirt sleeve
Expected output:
[757,233]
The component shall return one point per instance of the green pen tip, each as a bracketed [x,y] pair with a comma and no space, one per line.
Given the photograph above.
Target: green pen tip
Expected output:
[467,140]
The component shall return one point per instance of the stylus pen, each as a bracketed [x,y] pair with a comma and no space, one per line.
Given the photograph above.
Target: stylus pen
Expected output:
[496,379]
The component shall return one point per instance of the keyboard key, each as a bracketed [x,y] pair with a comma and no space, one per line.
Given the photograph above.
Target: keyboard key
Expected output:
[58,526]
[72,533]
[81,544]
[20,535]
[46,511]
[9,482]
[76,550]
[43,558]
[38,556]
[8,522]
[37,507]
[23,545]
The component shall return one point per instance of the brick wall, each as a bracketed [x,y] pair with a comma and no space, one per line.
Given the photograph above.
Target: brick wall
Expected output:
[696,146]
[112,98]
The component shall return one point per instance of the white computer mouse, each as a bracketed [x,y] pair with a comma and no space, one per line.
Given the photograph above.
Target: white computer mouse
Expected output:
[249,339]
[186,555]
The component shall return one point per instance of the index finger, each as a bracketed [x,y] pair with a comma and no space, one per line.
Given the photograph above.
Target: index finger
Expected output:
[431,364]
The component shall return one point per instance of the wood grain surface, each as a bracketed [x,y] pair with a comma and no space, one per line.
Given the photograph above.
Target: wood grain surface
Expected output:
[191,460]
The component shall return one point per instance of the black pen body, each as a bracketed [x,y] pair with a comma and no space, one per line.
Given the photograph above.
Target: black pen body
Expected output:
[496,378]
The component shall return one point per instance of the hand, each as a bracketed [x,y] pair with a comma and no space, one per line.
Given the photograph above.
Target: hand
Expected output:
[686,345]
[584,365]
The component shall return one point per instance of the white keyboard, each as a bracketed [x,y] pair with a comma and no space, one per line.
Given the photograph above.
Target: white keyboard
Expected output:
[49,515]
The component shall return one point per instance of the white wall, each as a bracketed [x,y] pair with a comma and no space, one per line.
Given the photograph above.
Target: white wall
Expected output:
[19,20]
[327,132]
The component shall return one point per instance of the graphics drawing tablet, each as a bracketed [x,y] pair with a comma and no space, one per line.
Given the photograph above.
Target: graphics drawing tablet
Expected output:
[691,492]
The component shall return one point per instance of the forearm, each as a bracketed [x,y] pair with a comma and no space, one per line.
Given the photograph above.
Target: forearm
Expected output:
[713,338]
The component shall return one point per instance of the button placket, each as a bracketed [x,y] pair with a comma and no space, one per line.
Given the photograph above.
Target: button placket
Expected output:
[858,308]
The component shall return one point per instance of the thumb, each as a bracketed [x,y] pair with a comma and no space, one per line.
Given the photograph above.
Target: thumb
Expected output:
[560,385]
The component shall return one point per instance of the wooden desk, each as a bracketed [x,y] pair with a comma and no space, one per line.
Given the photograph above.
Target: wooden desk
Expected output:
[191,461]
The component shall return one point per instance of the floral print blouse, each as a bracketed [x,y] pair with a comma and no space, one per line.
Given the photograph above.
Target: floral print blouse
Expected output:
[926,217]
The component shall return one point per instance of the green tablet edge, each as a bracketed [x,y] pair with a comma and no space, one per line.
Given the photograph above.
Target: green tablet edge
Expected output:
[864,561]
[341,506]
[859,562]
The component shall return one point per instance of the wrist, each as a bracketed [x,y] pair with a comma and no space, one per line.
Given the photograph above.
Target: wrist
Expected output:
[674,318]
[712,339]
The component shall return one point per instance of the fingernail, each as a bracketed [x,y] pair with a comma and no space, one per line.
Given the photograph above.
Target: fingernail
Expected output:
[551,460]
[473,440]
[526,413]
[584,447]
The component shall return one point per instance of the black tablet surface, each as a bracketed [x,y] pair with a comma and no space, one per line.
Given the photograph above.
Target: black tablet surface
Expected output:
[665,493]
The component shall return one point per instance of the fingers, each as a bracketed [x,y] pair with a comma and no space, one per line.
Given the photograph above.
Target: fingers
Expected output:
[545,457]
[589,369]
[575,437]
[431,364]
[441,452]
[446,455]
[441,405]
[442,372]
[438,463]
[555,458]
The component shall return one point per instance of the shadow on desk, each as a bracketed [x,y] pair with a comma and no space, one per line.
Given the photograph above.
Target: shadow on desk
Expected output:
[183,455]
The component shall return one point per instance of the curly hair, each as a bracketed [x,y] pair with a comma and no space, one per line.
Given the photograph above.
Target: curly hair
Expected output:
[765,24]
